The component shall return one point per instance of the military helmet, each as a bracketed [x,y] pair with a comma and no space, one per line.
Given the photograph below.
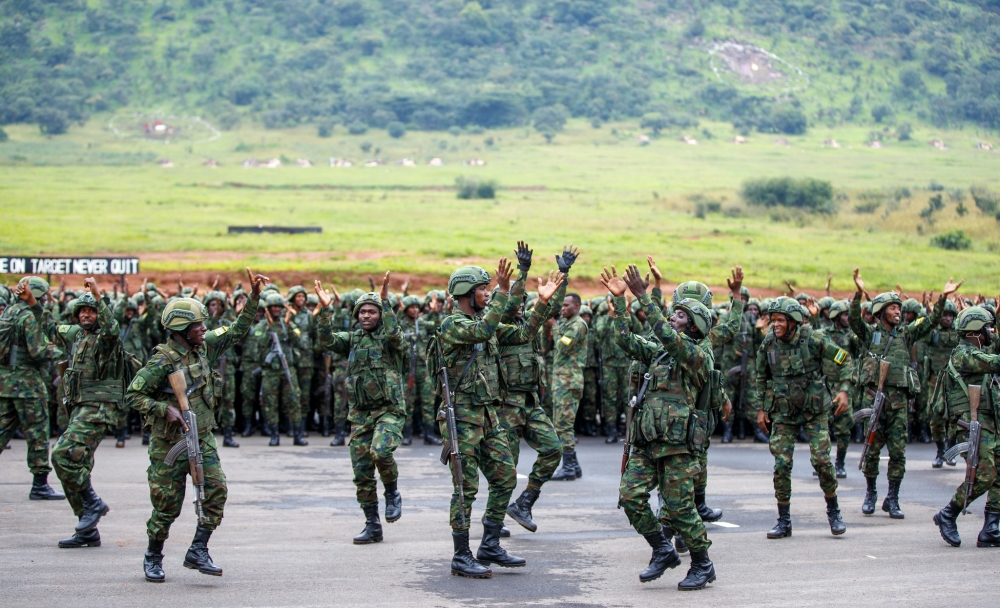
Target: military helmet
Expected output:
[240,292]
[866,307]
[393,301]
[802,296]
[838,308]
[586,310]
[274,299]
[744,293]
[366,298]
[695,290]
[755,302]
[409,301]
[295,291]
[85,300]
[825,302]
[132,304]
[465,280]
[697,312]
[973,319]
[38,286]
[604,308]
[312,298]
[215,295]
[949,306]
[911,305]
[269,288]
[884,299]
[182,312]
[788,307]
[139,297]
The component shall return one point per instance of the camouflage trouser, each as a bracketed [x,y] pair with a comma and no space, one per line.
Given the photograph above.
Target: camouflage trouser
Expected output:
[420,405]
[747,410]
[33,417]
[73,454]
[614,391]
[167,486]
[249,392]
[275,385]
[783,433]
[938,425]
[304,377]
[485,450]
[674,477]
[891,433]
[841,426]
[521,416]
[588,400]
[987,481]
[565,400]
[339,396]
[701,479]
[225,416]
[372,442]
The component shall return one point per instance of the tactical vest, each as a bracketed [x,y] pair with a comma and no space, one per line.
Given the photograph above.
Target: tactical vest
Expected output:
[939,346]
[14,349]
[486,379]
[91,377]
[131,339]
[796,383]
[372,374]
[522,366]
[901,375]
[842,338]
[667,415]
[205,382]
[287,338]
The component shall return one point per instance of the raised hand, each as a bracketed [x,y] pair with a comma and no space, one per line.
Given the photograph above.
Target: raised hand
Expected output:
[406,287]
[657,275]
[858,282]
[91,284]
[215,283]
[257,282]
[829,280]
[736,282]
[504,270]
[384,292]
[523,257]
[371,283]
[547,290]
[324,297]
[791,290]
[636,284]
[950,287]
[568,257]
[22,291]
[612,282]
[812,306]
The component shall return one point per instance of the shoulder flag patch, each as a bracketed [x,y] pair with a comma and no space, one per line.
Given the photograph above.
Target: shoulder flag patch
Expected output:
[566,340]
[840,357]
[222,330]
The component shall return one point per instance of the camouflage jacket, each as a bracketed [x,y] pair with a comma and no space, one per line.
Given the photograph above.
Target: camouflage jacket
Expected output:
[790,372]
[873,340]
[605,335]
[24,380]
[266,353]
[134,332]
[150,394]
[569,337]
[417,333]
[97,366]
[845,339]
[303,320]
[375,377]
[970,364]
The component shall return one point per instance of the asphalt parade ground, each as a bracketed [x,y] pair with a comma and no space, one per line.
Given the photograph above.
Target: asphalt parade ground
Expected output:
[291,514]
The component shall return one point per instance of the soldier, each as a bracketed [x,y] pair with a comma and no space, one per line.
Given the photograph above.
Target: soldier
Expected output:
[971,363]
[247,364]
[569,338]
[587,415]
[419,386]
[889,340]
[276,354]
[219,316]
[614,371]
[24,349]
[302,319]
[668,429]
[839,332]
[791,391]
[470,340]
[133,322]
[190,348]
[342,321]
[375,355]
[94,387]
[936,351]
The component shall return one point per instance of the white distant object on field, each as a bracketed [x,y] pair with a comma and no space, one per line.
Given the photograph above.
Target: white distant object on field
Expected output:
[474,162]
[830,143]
[435,162]
[937,143]
[875,144]
[304,163]
[211,163]
[407,162]
[340,162]
[165,163]
[251,163]
[375,162]
[642,139]
[984,146]
[271,163]
[739,139]
[688,140]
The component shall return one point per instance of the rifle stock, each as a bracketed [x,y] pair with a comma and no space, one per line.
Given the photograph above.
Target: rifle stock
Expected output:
[878,404]
[975,432]
[451,450]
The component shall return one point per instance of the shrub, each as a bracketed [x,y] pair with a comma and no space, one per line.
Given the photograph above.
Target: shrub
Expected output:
[550,120]
[51,121]
[357,128]
[3,135]
[904,131]
[812,195]
[790,121]
[474,188]
[325,130]
[986,200]
[396,129]
[956,240]
[366,146]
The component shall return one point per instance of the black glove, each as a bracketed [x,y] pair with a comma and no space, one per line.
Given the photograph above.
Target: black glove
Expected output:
[523,257]
[565,261]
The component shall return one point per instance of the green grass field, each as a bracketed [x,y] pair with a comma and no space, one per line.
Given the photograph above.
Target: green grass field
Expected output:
[597,188]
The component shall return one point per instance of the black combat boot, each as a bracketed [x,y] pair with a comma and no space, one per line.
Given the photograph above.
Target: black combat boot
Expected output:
[611,432]
[891,503]
[784,526]
[801,436]
[299,431]
[120,437]
[248,428]
[325,426]
[393,502]
[275,437]
[462,563]
[152,563]
[664,556]
[871,495]
[504,530]
[407,434]
[837,525]
[567,472]
[938,461]
[145,436]
[41,490]
[373,527]
[680,544]
[197,557]
[490,551]
[727,432]
[706,512]
[925,433]
[338,436]
[741,429]
[947,522]
[520,509]
[838,465]
[93,509]
[227,438]
[265,429]
[430,438]
[989,536]
[90,538]
[590,428]
[759,436]
[576,466]
[701,572]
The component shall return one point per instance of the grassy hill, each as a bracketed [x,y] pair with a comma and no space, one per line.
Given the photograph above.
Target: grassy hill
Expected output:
[761,65]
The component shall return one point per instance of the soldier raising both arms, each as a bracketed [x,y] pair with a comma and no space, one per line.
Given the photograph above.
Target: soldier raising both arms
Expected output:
[192,349]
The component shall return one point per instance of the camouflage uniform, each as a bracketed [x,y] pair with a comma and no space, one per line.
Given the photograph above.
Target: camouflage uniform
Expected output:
[226,365]
[274,384]
[304,361]
[150,395]
[614,369]
[591,372]
[841,424]
[420,397]
[375,395]
[249,383]
[933,353]
[569,359]
[749,339]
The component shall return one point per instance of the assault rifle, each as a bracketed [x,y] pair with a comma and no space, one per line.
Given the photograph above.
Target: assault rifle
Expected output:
[970,447]
[327,384]
[875,411]
[633,406]
[451,450]
[189,443]
[276,351]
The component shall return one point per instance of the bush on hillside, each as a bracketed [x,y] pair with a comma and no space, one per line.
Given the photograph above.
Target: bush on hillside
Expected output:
[956,240]
[807,194]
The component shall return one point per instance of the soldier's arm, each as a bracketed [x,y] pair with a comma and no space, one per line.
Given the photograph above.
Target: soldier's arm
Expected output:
[40,348]
[723,333]
[969,361]
[763,375]
[831,352]
[858,325]
[574,338]
[221,339]
[337,342]
[557,298]
[145,387]
[923,327]
[657,294]
[685,351]
[524,332]
[393,333]
[108,327]
[457,330]
[638,347]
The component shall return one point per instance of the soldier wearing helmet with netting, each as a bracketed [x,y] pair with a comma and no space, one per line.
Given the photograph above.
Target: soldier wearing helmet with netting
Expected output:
[194,350]
[277,350]
[342,320]
[669,428]
[839,331]
[219,315]
[133,323]
[889,339]
[973,363]
[420,410]
[249,383]
[375,393]
[933,352]
[305,362]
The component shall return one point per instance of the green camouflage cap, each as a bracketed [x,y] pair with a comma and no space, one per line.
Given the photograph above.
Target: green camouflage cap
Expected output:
[694,290]
[825,302]
[295,290]
[949,306]
[697,312]
[884,299]
[274,299]
[86,300]
[586,310]
[788,307]
[409,301]
[465,280]
[182,312]
[911,305]
[838,308]
[38,286]
[366,298]
[973,319]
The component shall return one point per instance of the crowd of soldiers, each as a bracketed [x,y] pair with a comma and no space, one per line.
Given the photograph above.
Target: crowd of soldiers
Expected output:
[478,371]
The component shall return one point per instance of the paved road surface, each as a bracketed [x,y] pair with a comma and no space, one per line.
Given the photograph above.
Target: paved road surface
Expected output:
[286,539]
